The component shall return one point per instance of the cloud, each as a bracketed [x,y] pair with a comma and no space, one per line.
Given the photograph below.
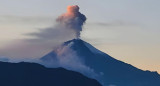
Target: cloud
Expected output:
[114,23]
[4,59]
[25,19]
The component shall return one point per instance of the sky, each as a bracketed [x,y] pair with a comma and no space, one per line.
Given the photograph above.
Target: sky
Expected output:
[127,30]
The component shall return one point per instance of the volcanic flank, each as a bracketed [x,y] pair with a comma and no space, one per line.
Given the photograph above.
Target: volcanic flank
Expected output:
[80,56]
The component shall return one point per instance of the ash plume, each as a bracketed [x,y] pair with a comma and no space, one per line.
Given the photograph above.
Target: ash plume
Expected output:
[68,26]
[72,19]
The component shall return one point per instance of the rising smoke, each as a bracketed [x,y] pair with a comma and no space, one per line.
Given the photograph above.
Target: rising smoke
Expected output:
[68,26]
[72,19]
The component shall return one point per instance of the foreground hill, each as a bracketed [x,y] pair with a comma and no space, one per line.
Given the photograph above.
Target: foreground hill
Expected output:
[31,74]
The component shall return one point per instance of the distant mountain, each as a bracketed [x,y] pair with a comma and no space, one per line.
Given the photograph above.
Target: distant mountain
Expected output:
[111,72]
[32,74]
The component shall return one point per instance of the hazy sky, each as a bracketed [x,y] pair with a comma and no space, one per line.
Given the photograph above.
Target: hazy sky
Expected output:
[128,30]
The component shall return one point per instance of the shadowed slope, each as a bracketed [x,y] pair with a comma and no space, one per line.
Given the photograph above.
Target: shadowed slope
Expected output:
[31,74]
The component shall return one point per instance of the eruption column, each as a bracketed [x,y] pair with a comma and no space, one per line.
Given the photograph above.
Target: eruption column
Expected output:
[72,19]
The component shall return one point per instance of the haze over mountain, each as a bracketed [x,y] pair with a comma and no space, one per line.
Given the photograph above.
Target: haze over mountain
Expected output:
[80,56]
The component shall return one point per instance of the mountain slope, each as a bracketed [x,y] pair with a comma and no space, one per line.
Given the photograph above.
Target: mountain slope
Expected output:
[109,70]
[31,74]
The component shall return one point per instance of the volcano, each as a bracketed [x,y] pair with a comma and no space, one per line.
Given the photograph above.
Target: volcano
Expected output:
[80,56]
